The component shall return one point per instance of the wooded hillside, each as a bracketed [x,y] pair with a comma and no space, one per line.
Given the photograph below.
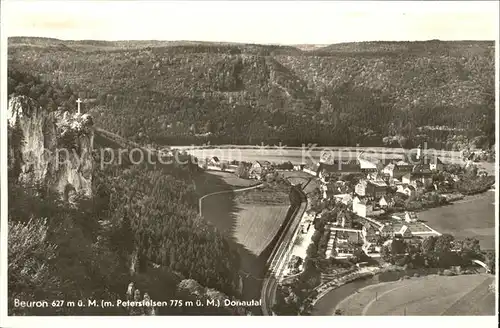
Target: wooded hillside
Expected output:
[182,93]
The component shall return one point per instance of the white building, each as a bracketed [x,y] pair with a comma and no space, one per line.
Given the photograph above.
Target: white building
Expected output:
[362,207]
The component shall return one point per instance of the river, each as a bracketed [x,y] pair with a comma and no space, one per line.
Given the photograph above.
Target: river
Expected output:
[470,289]
[474,216]
[297,155]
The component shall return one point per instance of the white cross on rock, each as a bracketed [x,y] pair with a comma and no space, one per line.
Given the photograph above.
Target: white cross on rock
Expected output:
[79,101]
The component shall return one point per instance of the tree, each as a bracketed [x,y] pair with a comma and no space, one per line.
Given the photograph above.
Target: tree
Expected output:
[286,166]
[29,270]
[471,171]
[209,127]
[359,255]
[312,251]
[443,252]
[489,259]
[443,243]
[386,254]
[428,245]
[470,249]
[242,171]
[398,246]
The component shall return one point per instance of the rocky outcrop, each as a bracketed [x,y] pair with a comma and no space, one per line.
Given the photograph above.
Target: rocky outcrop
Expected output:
[190,289]
[137,305]
[53,149]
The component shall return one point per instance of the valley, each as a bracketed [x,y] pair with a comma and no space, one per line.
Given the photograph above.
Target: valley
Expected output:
[223,224]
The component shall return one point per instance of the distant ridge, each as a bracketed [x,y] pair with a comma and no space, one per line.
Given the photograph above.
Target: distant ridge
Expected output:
[186,92]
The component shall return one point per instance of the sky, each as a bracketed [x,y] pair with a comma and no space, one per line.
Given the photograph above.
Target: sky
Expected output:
[282,22]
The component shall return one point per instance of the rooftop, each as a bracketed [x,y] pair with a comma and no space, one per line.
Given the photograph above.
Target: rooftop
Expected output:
[340,166]
[264,163]
[378,183]
[365,164]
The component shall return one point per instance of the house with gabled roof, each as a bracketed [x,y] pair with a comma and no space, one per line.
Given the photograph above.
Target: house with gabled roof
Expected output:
[436,164]
[378,176]
[299,167]
[386,230]
[386,201]
[419,174]
[419,187]
[403,163]
[429,161]
[375,188]
[311,168]
[404,232]
[328,190]
[214,161]
[407,190]
[338,167]
[258,168]
[407,216]
[362,206]
[345,199]
[367,166]
[411,217]
[395,170]
[369,230]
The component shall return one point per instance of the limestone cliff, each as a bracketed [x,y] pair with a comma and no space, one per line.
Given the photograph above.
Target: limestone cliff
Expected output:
[50,148]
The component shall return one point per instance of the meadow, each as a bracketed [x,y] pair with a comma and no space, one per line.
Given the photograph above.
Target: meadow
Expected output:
[249,218]
[474,216]
[309,183]
[430,295]
[215,181]
[257,225]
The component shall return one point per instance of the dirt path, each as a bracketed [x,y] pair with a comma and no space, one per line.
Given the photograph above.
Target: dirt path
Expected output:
[200,201]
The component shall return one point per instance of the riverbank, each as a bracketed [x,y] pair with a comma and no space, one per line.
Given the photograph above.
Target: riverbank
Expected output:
[411,287]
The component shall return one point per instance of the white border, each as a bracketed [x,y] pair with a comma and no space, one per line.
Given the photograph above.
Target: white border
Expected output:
[497,147]
[203,321]
[3,168]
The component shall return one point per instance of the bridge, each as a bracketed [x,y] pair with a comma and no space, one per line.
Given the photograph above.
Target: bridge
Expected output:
[481,263]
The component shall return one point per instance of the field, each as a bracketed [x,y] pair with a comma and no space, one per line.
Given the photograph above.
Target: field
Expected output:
[415,227]
[430,295]
[214,181]
[473,216]
[257,225]
[296,177]
[309,183]
[271,195]
[249,218]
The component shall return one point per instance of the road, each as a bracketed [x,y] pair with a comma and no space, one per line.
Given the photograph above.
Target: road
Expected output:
[380,225]
[280,253]
[346,230]
[279,257]
[200,201]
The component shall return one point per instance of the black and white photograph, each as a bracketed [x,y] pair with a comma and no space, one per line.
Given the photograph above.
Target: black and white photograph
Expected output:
[249,158]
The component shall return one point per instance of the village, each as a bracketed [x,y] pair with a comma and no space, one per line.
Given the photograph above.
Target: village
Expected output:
[373,201]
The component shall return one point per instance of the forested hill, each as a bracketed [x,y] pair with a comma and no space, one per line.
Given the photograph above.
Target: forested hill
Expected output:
[139,224]
[373,93]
